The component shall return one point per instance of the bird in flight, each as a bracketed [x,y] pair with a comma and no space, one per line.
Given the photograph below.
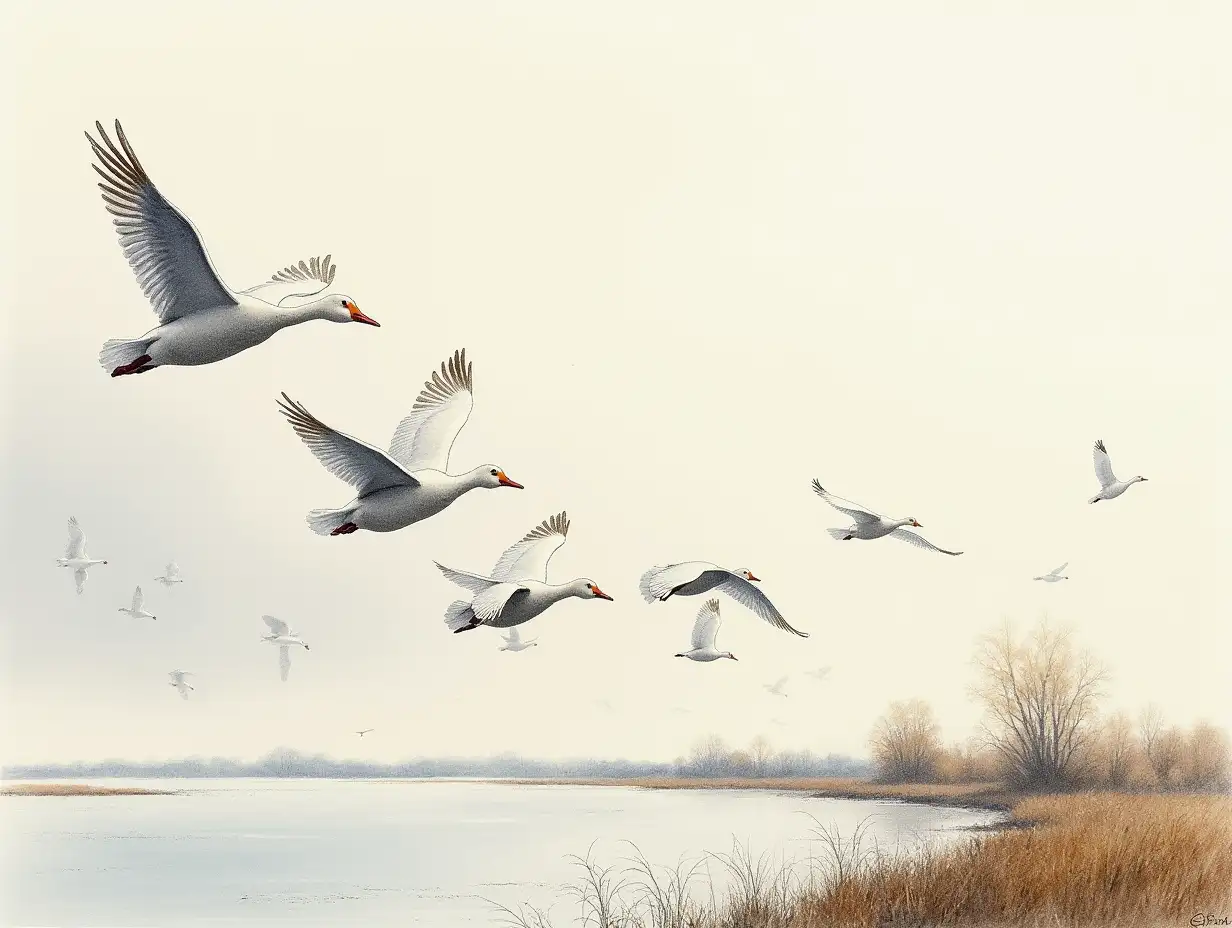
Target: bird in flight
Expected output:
[869,524]
[1109,486]
[365,731]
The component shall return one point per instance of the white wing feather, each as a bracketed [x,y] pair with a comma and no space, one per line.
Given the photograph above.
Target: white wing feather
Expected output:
[306,279]
[527,559]
[1103,465]
[138,599]
[277,626]
[706,625]
[79,577]
[425,437]
[919,541]
[1058,570]
[76,539]
[514,636]
[284,661]
[753,599]
[366,468]
[659,581]
[858,514]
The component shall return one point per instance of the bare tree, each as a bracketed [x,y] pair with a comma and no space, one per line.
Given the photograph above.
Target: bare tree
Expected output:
[760,755]
[1117,742]
[906,742]
[1206,758]
[1162,746]
[1150,722]
[709,758]
[1040,697]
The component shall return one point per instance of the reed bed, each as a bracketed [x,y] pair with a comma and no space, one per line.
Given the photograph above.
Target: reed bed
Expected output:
[77,789]
[1130,859]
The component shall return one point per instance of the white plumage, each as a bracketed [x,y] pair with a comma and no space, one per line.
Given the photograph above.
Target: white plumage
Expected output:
[513,641]
[171,575]
[778,688]
[285,639]
[75,557]
[201,319]
[869,524]
[1054,575]
[1109,486]
[137,610]
[692,578]
[177,680]
[410,482]
[705,634]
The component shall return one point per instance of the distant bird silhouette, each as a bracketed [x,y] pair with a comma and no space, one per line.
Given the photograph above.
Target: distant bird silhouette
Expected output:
[692,578]
[1054,575]
[137,610]
[75,557]
[819,674]
[778,688]
[285,639]
[869,525]
[177,680]
[171,576]
[365,731]
[705,631]
[513,641]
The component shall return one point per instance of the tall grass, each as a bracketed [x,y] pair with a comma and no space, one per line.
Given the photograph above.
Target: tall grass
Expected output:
[1110,858]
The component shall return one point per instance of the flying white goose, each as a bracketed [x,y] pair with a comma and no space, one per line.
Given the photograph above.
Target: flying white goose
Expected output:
[365,731]
[75,558]
[693,578]
[177,680]
[412,481]
[285,639]
[705,631]
[1054,575]
[1109,486]
[513,641]
[202,320]
[869,525]
[819,674]
[137,611]
[777,688]
[514,593]
[171,576]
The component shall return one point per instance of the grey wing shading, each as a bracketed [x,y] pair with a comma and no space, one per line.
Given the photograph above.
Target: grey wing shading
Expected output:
[1103,465]
[706,625]
[753,599]
[76,539]
[514,636]
[277,626]
[161,245]
[658,582]
[1058,570]
[284,662]
[308,278]
[366,468]
[489,604]
[425,437]
[79,577]
[919,541]
[527,559]
[467,580]
[859,515]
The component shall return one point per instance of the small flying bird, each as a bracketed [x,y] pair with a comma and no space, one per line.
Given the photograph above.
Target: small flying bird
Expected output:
[778,687]
[171,576]
[365,731]
[177,680]
[705,631]
[692,578]
[869,525]
[1054,575]
[517,589]
[285,639]
[513,641]
[201,319]
[411,482]
[137,610]
[75,558]
[819,674]
[1109,486]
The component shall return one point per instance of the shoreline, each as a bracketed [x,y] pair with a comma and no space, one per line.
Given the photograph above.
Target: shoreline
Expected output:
[79,789]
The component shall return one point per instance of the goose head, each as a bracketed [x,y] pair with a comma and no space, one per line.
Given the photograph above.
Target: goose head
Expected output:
[1138,480]
[909,521]
[730,655]
[342,309]
[491,476]
[746,574]
[587,589]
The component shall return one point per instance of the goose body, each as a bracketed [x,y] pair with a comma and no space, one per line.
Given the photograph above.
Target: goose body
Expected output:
[1054,575]
[1109,486]
[778,688]
[693,578]
[75,557]
[514,593]
[177,680]
[365,731]
[705,633]
[869,525]
[202,320]
[137,609]
[410,482]
[285,639]
[171,576]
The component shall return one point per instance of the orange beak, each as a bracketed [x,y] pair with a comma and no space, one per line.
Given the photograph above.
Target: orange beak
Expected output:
[751,577]
[602,595]
[506,482]
[916,524]
[357,316]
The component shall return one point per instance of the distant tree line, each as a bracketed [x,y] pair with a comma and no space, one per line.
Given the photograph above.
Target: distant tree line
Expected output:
[1043,729]
[285,762]
[711,758]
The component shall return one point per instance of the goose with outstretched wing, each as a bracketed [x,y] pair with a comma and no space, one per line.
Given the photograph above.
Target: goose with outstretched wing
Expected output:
[869,524]
[75,557]
[284,639]
[705,634]
[201,319]
[1109,486]
[410,482]
[693,578]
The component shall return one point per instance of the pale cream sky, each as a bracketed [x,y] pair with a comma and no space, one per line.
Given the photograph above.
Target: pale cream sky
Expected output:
[698,256]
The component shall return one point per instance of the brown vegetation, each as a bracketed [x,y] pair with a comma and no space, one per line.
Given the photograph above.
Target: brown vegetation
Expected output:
[77,789]
[1092,858]
[906,743]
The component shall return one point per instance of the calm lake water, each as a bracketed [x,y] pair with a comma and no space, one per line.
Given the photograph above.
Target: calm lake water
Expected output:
[333,852]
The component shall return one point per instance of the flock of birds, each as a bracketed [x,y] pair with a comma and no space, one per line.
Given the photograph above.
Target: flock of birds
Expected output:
[202,320]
